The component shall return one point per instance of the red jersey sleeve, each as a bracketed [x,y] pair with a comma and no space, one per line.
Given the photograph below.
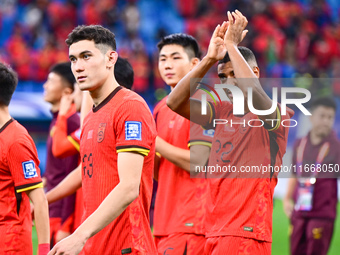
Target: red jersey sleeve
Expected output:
[200,136]
[64,145]
[135,130]
[24,165]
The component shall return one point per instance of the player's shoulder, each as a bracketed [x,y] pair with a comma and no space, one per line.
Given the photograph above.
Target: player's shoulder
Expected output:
[161,105]
[14,133]
[130,100]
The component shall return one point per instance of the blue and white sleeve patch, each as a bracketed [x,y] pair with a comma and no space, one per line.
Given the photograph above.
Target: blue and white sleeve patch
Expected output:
[29,169]
[209,132]
[133,130]
[78,133]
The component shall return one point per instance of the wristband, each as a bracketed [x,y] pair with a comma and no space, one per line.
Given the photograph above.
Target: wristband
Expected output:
[43,248]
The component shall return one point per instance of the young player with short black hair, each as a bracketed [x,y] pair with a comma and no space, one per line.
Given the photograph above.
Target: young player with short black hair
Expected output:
[20,180]
[117,152]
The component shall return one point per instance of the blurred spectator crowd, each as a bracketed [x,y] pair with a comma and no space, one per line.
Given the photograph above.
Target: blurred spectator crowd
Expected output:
[289,38]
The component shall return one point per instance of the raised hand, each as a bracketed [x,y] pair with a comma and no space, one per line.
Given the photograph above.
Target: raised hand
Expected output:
[217,48]
[65,104]
[235,32]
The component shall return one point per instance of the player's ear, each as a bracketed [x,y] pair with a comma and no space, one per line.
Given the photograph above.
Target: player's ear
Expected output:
[194,62]
[256,71]
[112,57]
[67,91]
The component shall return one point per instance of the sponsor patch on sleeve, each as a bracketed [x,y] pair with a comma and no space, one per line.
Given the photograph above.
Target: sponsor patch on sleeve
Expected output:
[133,130]
[209,132]
[29,169]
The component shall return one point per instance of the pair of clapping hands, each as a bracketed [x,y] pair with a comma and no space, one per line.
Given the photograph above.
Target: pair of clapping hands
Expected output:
[229,33]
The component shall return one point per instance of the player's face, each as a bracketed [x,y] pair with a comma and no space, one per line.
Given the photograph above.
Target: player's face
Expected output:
[322,120]
[88,65]
[173,64]
[226,74]
[53,88]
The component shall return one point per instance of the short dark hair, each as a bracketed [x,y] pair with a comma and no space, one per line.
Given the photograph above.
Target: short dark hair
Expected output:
[188,42]
[124,73]
[323,101]
[245,52]
[99,34]
[8,84]
[65,72]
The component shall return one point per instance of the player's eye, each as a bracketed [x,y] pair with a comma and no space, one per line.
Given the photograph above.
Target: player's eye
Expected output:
[73,59]
[162,59]
[86,56]
[177,58]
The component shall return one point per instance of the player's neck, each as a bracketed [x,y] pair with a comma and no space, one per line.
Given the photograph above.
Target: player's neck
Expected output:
[4,116]
[99,94]
[55,107]
[316,139]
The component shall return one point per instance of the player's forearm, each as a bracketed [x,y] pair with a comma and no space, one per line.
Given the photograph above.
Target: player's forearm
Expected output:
[42,222]
[246,78]
[112,206]
[178,156]
[156,167]
[41,216]
[66,187]
[178,99]
[60,136]
[292,182]
[199,155]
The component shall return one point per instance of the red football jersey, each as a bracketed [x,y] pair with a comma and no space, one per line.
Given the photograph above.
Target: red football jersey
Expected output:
[121,123]
[179,205]
[65,145]
[238,203]
[19,172]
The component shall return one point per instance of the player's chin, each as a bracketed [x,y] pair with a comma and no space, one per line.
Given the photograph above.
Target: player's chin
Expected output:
[47,99]
[172,82]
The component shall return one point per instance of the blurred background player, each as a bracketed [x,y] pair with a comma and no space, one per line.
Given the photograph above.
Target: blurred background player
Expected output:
[117,153]
[20,180]
[60,82]
[239,207]
[64,144]
[180,200]
[311,198]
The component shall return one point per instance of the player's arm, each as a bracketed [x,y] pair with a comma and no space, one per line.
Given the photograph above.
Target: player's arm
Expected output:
[197,155]
[69,185]
[37,196]
[178,156]
[245,75]
[62,145]
[288,203]
[179,98]
[156,163]
[130,167]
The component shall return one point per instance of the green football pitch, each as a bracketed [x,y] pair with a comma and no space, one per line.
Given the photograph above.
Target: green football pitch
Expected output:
[280,233]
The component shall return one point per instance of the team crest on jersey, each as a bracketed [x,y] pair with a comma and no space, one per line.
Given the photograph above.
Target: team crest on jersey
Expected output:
[101,132]
[133,130]
[29,169]
[209,132]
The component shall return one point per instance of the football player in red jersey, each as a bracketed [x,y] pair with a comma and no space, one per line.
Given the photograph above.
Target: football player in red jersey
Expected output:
[117,152]
[20,180]
[68,145]
[239,217]
[180,200]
